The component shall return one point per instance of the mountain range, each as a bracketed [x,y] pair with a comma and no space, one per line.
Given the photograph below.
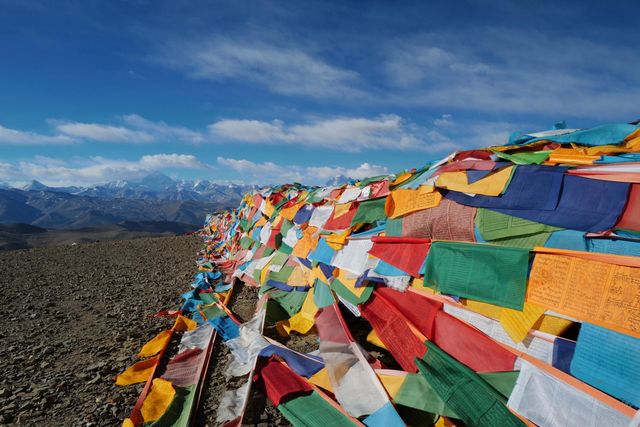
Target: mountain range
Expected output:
[156,197]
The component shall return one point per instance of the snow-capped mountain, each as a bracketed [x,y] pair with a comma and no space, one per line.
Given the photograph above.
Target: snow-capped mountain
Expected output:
[155,197]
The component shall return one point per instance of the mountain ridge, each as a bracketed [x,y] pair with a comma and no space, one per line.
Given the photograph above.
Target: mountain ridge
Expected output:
[155,197]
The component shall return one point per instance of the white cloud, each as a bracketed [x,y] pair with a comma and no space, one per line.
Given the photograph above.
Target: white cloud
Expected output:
[19,137]
[510,71]
[365,170]
[269,172]
[132,129]
[249,130]
[162,130]
[343,133]
[282,69]
[58,172]
[104,133]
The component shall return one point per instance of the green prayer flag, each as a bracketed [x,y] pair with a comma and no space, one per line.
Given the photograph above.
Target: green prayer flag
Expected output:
[284,248]
[178,413]
[416,392]
[393,227]
[493,274]
[279,259]
[313,411]
[268,251]
[285,227]
[213,312]
[315,196]
[274,312]
[476,402]
[503,382]
[282,275]
[372,179]
[526,157]
[322,296]
[525,242]
[495,225]
[370,211]
[208,298]
[290,301]
[246,242]
[346,294]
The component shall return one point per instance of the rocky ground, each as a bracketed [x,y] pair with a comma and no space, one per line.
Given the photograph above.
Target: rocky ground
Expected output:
[75,316]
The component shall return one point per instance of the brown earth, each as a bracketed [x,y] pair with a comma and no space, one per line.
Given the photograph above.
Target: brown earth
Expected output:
[74,317]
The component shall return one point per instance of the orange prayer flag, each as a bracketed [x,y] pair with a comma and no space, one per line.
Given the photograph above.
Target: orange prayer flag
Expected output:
[156,344]
[402,178]
[628,261]
[158,400]
[593,291]
[139,372]
[184,324]
[402,201]
[290,212]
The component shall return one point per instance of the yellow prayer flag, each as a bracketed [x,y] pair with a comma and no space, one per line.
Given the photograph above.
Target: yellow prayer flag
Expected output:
[264,273]
[158,400]
[491,185]
[290,212]
[321,379]
[391,383]
[338,240]
[350,283]
[571,156]
[156,344]
[262,221]
[401,178]
[138,373]
[340,210]
[403,201]
[299,277]
[307,242]
[302,321]
[375,340]
[268,208]
[518,323]
[184,324]
[488,310]
[316,273]
[552,325]
[128,423]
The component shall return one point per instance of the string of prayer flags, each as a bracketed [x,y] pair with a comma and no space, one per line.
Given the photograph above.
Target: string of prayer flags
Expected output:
[499,286]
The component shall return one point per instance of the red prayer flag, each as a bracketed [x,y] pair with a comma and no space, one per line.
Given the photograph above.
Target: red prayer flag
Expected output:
[343,221]
[394,332]
[280,382]
[630,218]
[418,309]
[470,346]
[405,253]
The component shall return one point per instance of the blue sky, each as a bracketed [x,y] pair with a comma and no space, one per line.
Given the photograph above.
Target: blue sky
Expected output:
[93,91]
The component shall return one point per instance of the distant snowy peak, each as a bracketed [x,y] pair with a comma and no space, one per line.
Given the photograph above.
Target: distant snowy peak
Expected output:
[38,186]
[338,180]
[155,186]
[34,186]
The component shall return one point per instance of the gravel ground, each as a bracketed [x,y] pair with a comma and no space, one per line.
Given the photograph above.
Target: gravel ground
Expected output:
[74,317]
